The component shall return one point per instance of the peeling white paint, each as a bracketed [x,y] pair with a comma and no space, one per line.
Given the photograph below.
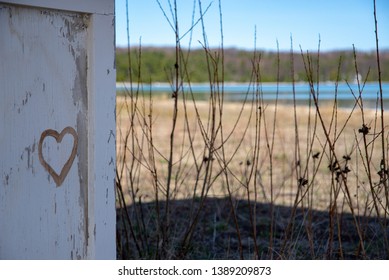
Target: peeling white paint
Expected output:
[56,71]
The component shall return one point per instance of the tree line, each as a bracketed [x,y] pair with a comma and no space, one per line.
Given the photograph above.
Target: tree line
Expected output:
[151,64]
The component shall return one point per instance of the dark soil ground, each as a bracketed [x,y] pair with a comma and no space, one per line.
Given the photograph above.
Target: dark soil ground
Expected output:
[218,235]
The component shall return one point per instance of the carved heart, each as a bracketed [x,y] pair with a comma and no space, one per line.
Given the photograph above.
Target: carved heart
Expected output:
[58,179]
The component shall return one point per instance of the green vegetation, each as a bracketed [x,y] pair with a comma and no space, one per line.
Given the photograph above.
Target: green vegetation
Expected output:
[157,65]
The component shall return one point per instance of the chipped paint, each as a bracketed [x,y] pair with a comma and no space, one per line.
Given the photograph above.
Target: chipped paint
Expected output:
[54,86]
[59,73]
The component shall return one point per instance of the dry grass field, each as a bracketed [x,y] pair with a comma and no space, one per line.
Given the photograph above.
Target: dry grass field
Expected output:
[239,128]
[249,180]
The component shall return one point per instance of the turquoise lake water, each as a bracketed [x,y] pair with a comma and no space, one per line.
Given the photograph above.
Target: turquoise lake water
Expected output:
[345,93]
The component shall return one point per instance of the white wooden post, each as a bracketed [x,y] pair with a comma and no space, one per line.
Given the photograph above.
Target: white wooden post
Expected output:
[57,129]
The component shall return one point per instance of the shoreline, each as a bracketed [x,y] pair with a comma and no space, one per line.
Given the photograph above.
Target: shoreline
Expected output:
[345,94]
[165,84]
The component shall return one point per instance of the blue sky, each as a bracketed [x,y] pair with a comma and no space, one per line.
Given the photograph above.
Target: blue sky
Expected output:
[340,23]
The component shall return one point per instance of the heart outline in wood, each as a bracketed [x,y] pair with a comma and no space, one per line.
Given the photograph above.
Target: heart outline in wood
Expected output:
[58,179]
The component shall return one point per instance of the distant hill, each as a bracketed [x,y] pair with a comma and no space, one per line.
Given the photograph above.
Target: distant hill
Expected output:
[157,65]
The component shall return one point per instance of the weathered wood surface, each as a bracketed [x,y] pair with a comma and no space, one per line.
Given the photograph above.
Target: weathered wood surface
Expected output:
[57,132]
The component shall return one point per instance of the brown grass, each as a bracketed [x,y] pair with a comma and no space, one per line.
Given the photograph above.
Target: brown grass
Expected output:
[318,196]
[211,179]
[284,163]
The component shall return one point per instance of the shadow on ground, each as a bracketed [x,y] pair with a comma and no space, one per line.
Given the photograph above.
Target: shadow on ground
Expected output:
[218,235]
